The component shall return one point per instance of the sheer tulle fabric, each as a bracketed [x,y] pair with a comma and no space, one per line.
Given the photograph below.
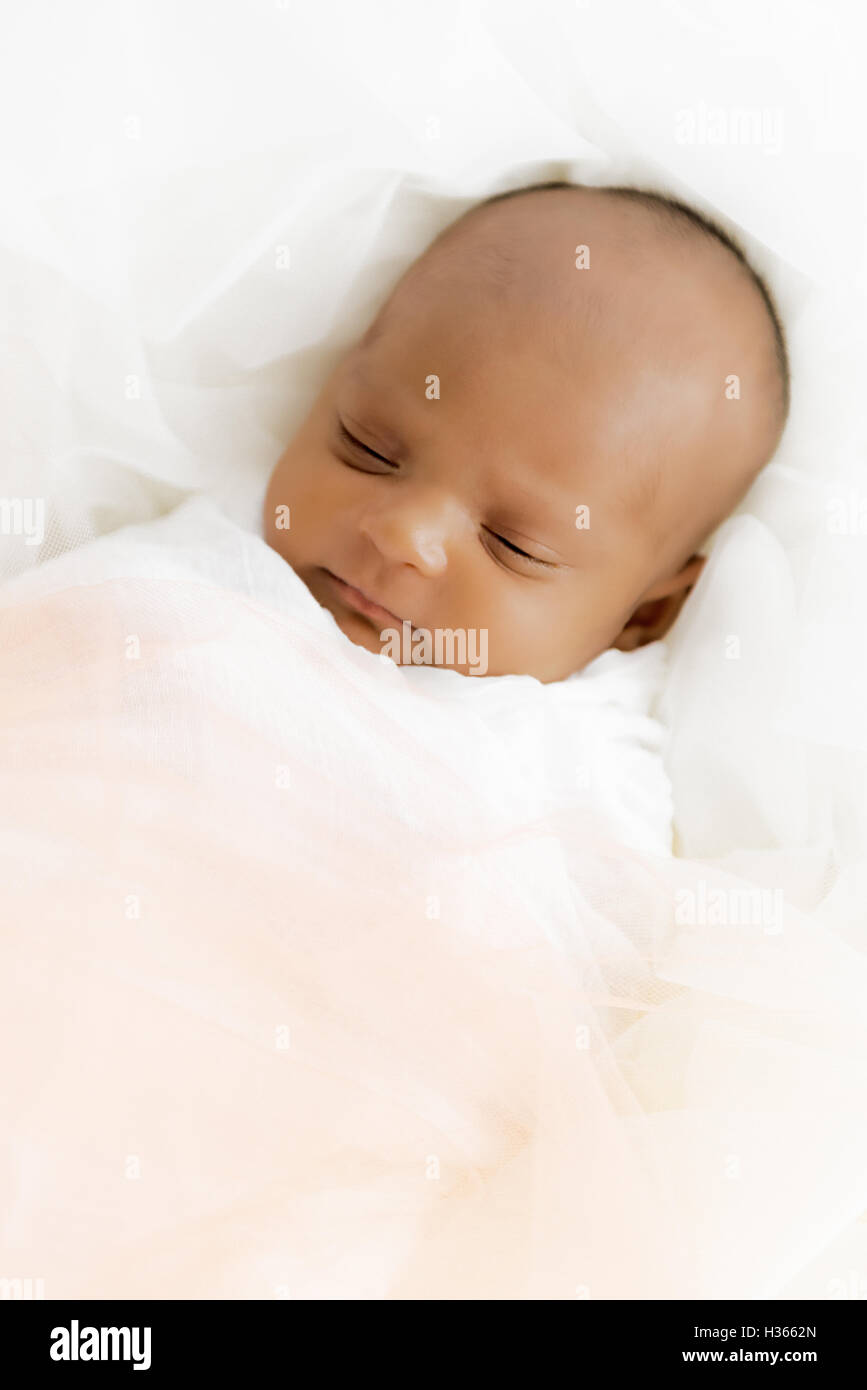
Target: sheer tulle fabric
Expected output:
[282,1029]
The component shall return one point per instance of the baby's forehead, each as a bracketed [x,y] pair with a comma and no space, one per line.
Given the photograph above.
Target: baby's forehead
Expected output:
[578,281]
[579,342]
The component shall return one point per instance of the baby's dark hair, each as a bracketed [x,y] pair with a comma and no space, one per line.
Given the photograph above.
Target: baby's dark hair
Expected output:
[681,215]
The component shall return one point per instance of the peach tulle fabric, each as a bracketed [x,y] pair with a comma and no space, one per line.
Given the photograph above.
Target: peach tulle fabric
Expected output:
[298,1006]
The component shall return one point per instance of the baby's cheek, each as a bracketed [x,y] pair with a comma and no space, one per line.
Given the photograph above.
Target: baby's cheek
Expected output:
[296,505]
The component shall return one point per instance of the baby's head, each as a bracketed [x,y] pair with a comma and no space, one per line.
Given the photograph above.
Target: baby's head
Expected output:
[556,406]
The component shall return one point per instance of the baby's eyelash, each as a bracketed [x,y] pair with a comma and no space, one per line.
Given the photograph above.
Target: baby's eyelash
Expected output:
[533,559]
[357,444]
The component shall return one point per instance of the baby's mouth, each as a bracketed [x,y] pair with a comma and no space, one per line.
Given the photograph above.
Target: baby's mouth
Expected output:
[360,602]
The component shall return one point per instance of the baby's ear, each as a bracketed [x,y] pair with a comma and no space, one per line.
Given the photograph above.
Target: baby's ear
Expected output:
[657,611]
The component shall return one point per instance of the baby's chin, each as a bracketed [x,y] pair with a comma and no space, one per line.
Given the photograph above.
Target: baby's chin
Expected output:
[359,631]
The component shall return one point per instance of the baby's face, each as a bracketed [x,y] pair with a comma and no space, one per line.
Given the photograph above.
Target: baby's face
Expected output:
[471,469]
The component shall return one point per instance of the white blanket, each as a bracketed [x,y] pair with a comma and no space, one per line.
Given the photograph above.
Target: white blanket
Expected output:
[328,978]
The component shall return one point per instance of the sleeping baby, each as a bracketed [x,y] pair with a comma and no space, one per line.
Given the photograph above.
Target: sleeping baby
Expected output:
[397,978]
[516,466]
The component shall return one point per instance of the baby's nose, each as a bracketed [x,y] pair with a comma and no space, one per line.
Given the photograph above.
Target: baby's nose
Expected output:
[414,531]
